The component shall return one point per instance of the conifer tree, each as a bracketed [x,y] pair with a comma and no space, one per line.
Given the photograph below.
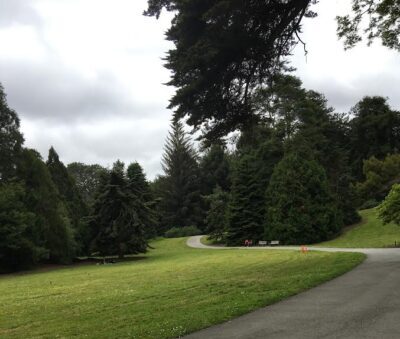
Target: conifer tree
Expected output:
[180,189]
[116,220]
[10,139]
[246,210]
[217,214]
[300,208]
[69,194]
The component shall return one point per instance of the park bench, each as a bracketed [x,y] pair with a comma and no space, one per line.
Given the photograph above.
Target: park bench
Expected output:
[274,243]
[262,243]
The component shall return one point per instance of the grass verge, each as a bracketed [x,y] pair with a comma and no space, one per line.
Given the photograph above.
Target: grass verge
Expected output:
[175,291]
[370,232]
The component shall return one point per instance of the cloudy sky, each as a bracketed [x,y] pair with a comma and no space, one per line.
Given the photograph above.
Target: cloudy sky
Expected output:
[86,76]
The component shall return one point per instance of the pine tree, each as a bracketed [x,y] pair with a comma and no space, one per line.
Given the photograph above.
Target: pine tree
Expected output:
[10,139]
[217,214]
[116,220]
[140,188]
[246,210]
[300,208]
[52,228]
[70,196]
[181,191]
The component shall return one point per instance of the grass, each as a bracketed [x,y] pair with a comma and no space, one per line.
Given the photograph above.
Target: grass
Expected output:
[176,290]
[369,233]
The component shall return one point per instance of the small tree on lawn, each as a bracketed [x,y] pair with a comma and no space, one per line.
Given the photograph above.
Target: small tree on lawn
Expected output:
[389,210]
[300,207]
[116,221]
[216,219]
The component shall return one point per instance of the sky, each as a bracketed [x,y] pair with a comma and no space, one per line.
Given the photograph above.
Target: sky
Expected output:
[87,76]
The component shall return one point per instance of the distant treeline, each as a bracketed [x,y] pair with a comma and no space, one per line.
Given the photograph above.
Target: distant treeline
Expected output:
[297,175]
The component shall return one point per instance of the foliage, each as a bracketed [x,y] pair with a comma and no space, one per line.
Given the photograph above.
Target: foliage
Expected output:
[217,214]
[178,232]
[52,228]
[174,291]
[116,223]
[180,190]
[87,179]
[375,131]
[246,208]
[71,198]
[10,139]
[224,51]
[379,175]
[383,23]
[300,208]
[16,250]
[389,210]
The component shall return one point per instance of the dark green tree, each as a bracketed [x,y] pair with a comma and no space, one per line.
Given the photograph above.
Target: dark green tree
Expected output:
[300,208]
[17,251]
[247,204]
[70,196]
[215,169]
[140,187]
[118,229]
[51,228]
[217,214]
[224,51]
[181,187]
[375,131]
[87,179]
[11,139]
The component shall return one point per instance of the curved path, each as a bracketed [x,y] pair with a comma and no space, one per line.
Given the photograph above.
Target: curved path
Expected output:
[363,303]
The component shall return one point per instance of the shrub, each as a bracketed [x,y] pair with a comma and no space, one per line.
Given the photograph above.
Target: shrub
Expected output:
[187,231]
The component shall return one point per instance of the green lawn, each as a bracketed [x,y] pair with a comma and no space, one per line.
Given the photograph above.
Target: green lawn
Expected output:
[369,233]
[176,290]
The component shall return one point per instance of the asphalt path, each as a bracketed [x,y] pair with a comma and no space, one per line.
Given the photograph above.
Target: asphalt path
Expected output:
[363,303]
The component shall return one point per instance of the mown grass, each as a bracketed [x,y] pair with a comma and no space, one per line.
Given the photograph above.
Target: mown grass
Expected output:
[370,232]
[176,290]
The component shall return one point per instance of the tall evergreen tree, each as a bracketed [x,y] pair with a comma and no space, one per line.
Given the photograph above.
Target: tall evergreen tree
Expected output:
[181,191]
[70,196]
[300,208]
[10,139]
[116,220]
[217,214]
[375,131]
[246,210]
[52,228]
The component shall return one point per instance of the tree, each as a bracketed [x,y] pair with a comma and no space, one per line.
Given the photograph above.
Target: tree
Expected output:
[384,23]
[115,221]
[247,204]
[70,196]
[300,208]
[380,176]
[215,169]
[224,51]
[17,251]
[51,228]
[375,131]
[87,179]
[217,214]
[11,139]
[180,189]
[139,186]
[389,210]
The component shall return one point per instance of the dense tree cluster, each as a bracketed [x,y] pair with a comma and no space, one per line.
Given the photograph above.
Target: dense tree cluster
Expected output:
[50,213]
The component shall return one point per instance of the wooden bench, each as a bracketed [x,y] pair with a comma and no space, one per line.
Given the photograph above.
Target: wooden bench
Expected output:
[274,243]
[262,243]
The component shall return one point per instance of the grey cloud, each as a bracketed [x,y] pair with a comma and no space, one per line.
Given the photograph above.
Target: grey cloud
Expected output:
[18,11]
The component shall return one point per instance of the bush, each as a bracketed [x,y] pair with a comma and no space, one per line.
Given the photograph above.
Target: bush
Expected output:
[186,231]
[371,203]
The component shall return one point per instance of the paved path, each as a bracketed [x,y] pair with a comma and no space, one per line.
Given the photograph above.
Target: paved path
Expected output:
[363,303]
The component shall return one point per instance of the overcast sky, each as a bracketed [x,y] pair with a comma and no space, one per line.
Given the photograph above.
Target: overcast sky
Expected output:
[86,76]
